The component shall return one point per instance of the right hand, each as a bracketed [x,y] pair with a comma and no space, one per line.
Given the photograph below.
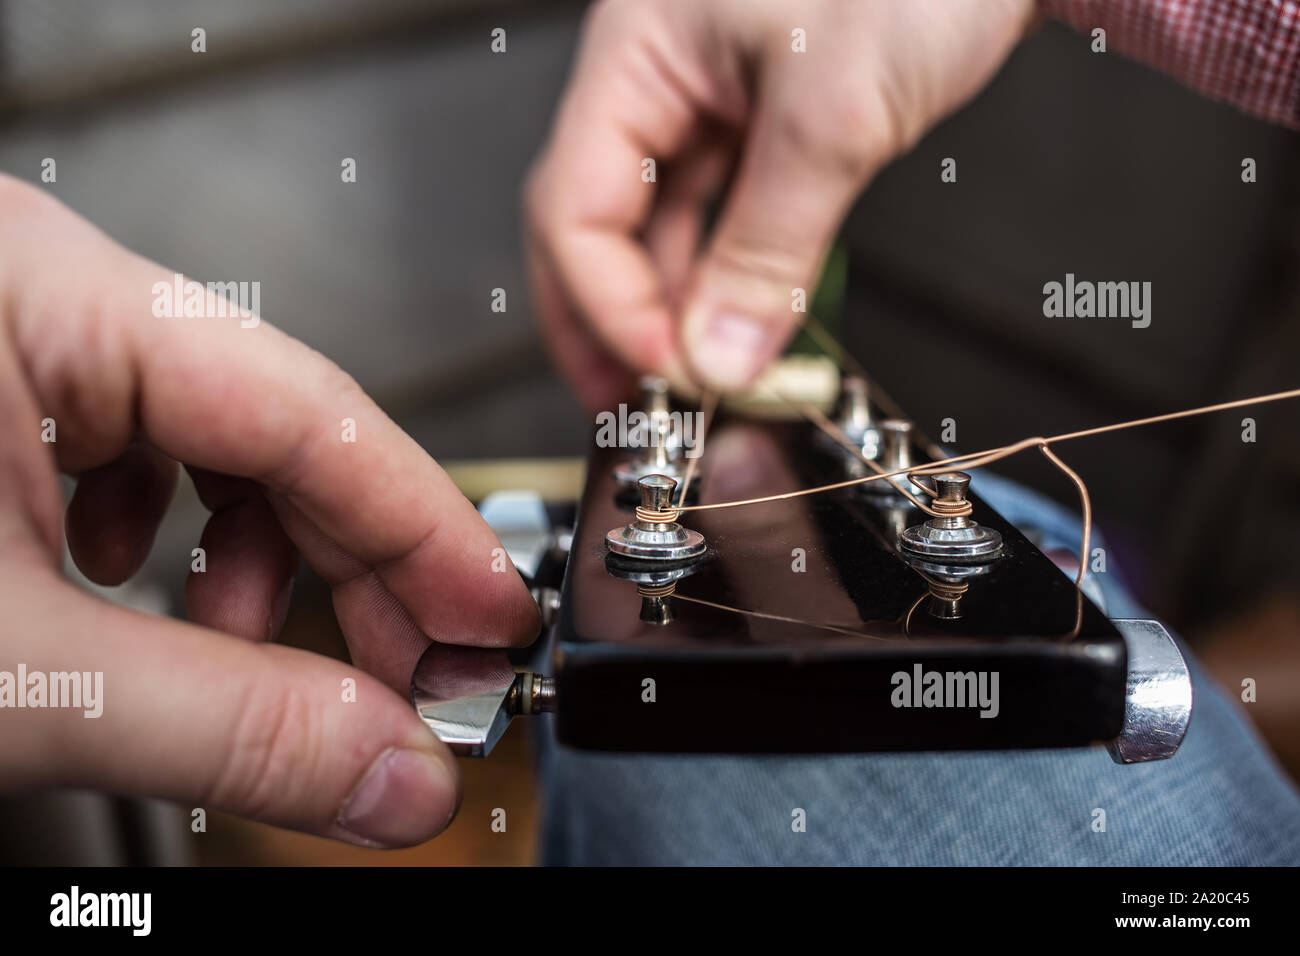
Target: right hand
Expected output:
[700,86]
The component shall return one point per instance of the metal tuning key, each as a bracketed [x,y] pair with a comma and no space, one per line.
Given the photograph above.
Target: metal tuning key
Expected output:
[895,454]
[855,419]
[953,537]
[660,442]
[654,535]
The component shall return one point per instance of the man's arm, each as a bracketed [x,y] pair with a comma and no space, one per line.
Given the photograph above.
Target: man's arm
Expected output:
[785,109]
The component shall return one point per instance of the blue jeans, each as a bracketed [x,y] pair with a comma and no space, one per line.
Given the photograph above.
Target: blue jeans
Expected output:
[1221,800]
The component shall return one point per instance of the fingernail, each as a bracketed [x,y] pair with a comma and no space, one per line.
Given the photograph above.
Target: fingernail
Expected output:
[406,797]
[730,349]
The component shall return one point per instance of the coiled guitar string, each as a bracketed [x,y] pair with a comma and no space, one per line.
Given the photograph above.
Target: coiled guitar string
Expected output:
[842,357]
[942,589]
[968,461]
[941,507]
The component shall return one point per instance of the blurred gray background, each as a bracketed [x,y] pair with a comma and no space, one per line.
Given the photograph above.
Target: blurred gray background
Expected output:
[225,165]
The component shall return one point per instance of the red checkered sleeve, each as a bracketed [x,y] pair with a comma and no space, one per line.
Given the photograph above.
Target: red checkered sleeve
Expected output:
[1244,52]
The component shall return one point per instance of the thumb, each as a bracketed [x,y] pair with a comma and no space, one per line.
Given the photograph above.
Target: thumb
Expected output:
[270,733]
[796,181]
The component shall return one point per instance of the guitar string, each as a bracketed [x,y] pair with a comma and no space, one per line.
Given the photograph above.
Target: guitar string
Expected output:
[846,361]
[814,415]
[988,456]
[841,357]
[942,508]
[781,618]
[936,587]
[708,405]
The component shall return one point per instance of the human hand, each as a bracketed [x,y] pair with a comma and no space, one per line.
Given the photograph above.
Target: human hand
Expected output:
[702,87]
[220,720]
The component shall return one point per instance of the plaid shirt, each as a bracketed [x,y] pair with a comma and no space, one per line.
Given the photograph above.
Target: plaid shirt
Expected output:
[1244,52]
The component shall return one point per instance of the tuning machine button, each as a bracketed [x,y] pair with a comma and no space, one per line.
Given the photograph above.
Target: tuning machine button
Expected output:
[651,538]
[952,537]
[656,458]
[895,454]
[660,442]
[854,417]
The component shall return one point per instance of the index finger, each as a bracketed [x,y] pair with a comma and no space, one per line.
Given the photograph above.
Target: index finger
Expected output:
[107,357]
[628,110]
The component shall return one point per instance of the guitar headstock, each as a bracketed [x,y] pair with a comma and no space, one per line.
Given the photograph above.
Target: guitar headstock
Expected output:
[789,632]
[858,618]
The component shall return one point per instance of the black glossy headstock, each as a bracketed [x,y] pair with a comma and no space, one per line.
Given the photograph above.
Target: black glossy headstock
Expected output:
[791,634]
